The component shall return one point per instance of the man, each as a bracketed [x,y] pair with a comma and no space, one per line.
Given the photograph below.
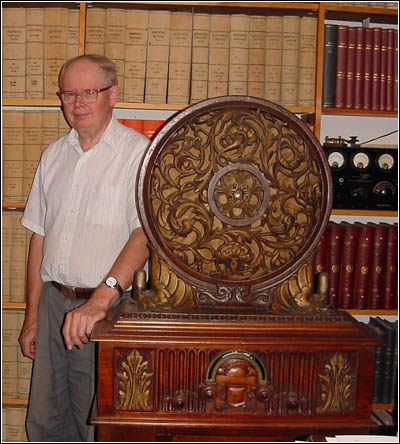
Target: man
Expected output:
[86,245]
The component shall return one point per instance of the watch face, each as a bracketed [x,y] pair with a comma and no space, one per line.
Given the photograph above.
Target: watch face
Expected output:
[111,281]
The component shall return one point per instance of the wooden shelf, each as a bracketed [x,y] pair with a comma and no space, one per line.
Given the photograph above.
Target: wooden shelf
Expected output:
[15,401]
[15,305]
[369,312]
[383,406]
[342,212]
[357,112]
[359,13]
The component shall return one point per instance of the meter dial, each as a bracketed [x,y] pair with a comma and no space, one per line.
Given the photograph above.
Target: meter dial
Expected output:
[385,189]
[360,160]
[385,161]
[336,160]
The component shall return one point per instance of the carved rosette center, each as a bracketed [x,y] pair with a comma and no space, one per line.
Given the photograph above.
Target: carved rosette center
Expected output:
[238,194]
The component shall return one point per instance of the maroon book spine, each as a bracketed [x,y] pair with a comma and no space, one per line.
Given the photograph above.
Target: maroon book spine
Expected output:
[363,266]
[383,77]
[334,257]
[390,71]
[376,68]
[359,68]
[367,84]
[341,66]
[396,72]
[375,293]
[348,264]
[350,67]
[321,256]
[390,279]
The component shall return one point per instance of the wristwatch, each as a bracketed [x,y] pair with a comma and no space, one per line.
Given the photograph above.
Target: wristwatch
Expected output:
[112,282]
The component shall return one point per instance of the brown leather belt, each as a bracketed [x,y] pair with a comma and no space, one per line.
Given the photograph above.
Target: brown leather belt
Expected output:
[73,292]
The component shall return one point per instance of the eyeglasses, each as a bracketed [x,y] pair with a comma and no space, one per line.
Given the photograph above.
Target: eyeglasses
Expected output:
[87,95]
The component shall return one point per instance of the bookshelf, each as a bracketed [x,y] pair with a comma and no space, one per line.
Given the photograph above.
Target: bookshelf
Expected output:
[322,11]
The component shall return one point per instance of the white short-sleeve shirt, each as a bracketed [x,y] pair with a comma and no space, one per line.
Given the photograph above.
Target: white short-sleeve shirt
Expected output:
[84,205]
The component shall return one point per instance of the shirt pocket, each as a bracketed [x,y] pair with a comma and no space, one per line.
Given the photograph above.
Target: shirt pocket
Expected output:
[106,206]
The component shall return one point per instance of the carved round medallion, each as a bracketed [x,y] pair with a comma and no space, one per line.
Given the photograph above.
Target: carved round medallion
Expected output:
[238,194]
[233,191]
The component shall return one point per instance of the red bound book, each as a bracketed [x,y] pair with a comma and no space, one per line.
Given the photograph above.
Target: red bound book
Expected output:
[375,293]
[396,71]
[390,279]
[383,77]
[359,68]
[135,124]
[334,257]
[350,67]
[376,68]
[341,66]
[151,127]
[367,84]
[348,264]
[363,265]
[321,256]
[390,71]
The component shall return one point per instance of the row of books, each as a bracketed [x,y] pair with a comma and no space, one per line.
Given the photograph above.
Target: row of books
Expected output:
[361,260]
[36,43]
[16,368]
[15,243]
[25,135]
[167,56]
[360,68]
[13,424]
[386,361]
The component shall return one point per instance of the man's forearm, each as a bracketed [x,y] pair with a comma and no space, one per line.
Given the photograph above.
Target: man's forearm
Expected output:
[34,282]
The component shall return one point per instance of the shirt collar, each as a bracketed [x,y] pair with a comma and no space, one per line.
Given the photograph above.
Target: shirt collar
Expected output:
[109,136]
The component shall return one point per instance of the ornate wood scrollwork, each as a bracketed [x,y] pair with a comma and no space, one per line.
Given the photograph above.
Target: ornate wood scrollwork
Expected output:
[233,195]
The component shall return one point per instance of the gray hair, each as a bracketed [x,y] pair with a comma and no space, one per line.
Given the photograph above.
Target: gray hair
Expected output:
[107,65]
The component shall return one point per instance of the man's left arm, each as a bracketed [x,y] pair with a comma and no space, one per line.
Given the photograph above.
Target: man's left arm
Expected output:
[78,324]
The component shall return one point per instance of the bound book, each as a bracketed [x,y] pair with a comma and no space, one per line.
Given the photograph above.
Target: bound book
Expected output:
[363,265]
[348,264]
[396,72]
[367,84]
[273,58]
[384,68]
[329,68]
[359,67]
[379,361]
[376,68]
[375,297]
[390,278]
[335,237]
[389,335]
[390,71]
[290,60]
[350,67]
[341,66]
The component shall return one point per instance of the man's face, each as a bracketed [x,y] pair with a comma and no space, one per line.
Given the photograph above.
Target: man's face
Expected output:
[88,118]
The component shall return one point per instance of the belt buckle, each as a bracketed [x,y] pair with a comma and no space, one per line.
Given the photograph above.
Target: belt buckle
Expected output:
[70,293]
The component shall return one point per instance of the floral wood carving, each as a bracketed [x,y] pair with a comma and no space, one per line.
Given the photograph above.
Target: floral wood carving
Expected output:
[134,381]
[336,383]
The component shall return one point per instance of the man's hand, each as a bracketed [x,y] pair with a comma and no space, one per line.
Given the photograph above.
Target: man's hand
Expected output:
[27,339]
[78,323]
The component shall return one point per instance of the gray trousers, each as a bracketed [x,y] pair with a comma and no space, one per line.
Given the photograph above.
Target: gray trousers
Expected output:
[62,386]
